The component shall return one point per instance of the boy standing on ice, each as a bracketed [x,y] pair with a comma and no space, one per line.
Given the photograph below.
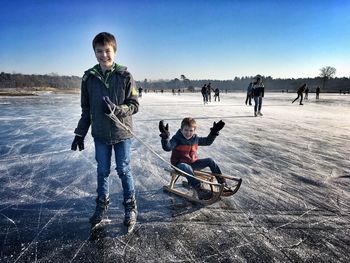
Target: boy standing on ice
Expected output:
[258,94]
[108,87]
[184,146]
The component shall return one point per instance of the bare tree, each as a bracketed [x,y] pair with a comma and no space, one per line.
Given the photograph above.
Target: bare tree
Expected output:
[327,73]
[186,81]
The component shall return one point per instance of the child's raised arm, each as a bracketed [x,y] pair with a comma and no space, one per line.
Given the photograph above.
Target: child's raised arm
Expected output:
[214,131]
[167,144]
[164,130]
[217,127]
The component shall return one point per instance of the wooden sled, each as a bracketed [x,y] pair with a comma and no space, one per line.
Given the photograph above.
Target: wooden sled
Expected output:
[208,180]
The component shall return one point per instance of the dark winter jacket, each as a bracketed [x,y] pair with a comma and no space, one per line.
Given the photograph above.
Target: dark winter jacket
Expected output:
[217,92]
[249,89]
[301,89]
[119,85]
[183,150]
[258,90]
[204,90]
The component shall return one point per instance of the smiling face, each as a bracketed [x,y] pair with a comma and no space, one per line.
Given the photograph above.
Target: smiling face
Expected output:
[187,131]
[105,56]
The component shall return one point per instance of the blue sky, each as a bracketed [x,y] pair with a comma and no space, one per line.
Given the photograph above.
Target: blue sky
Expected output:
[163,39]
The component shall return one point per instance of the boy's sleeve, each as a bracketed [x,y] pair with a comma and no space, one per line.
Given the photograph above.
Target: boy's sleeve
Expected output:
[205,141]
[131,104]
[85,120]
[169,145]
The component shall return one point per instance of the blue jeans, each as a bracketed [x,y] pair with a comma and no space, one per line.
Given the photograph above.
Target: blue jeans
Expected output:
[103,154]
[258,103]
[198,165]
[205,98]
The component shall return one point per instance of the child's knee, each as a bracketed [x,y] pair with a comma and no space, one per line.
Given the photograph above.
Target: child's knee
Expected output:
[211,161]
[185,167]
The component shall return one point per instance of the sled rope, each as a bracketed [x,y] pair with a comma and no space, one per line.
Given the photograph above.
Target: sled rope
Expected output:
[115,119]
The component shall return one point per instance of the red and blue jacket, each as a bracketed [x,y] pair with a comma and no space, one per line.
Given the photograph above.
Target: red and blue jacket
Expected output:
[183,150]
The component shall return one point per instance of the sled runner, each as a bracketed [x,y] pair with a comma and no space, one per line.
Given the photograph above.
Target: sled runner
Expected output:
[208,182]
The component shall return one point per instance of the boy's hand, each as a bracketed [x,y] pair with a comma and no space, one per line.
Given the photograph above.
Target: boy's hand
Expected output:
[164,130]
[78,142]
[217,127]
[108,106]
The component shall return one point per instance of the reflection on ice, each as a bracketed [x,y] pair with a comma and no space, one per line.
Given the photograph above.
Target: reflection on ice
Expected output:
[293,204]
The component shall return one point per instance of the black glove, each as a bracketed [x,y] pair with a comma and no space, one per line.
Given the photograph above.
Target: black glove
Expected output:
[164,130]
[78,142]
[217,127]
[108,105]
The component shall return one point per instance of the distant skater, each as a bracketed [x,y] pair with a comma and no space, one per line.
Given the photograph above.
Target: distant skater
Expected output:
[307,93]
[300,94]
[317,92]
[217,94]
[258,93]
[249,94]
[140,92]
[209,92]
[204,94]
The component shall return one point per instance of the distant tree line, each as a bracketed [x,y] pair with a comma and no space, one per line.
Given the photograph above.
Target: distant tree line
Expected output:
[22,81]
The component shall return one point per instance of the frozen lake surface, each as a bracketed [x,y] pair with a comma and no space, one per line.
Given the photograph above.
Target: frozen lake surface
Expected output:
[293,205]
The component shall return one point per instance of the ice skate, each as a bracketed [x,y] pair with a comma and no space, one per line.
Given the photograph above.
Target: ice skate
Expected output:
[130,213]
[100,211]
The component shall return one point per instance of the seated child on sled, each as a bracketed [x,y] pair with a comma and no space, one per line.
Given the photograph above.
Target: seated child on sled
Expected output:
[184,146]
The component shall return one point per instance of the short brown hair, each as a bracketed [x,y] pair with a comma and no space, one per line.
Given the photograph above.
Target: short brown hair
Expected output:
[104,38]
[190,122]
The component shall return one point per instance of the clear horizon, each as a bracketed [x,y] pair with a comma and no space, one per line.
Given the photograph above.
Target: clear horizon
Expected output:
[162,40]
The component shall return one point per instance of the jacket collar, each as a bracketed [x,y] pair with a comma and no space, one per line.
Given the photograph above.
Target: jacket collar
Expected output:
[97,72]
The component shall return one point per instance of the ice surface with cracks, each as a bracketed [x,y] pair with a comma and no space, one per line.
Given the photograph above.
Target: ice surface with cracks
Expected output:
[293,205]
